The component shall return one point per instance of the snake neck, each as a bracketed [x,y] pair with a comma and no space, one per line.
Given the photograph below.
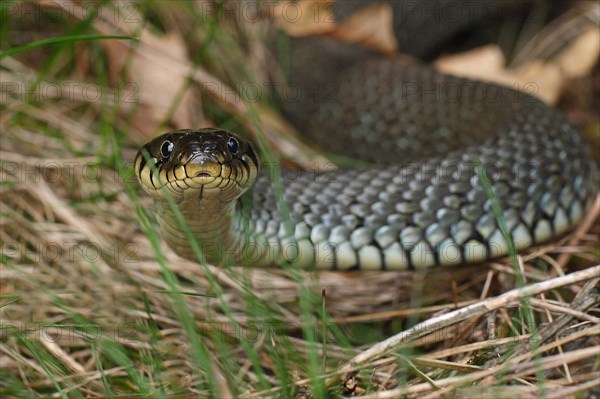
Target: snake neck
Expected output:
[215,225]
[227,235]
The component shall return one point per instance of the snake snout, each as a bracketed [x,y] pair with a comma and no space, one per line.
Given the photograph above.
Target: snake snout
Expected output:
[203,166]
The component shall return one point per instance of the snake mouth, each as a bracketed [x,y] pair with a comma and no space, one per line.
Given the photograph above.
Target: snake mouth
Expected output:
[204,172]
[203,167]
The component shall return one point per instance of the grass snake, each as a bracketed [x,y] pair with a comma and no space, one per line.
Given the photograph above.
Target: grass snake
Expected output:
[421,204]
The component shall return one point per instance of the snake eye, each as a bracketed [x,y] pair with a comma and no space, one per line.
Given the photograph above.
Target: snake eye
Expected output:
[233,145]
[166,148]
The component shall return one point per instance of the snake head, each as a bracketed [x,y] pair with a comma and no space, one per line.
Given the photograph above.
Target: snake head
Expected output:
[199,163]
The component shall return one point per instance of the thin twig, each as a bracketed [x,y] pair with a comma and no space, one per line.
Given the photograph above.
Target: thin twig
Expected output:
[465,313]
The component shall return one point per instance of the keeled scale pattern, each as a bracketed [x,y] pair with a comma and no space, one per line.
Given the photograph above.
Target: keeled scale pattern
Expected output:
[426,205]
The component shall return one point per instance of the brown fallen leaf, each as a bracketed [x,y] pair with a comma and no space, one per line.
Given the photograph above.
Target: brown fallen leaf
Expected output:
[543,80]
[159,88]
[371,27]
[579,59]
[487,63]
[483,63]
[543,77]
[161,96]
[304,17]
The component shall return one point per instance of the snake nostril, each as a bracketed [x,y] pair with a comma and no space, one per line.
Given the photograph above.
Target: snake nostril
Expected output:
[201,158]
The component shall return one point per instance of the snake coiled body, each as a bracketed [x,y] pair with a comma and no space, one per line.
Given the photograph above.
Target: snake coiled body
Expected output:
[422,203]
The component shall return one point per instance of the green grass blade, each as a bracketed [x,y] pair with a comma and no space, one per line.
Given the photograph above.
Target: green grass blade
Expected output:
[60,40]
